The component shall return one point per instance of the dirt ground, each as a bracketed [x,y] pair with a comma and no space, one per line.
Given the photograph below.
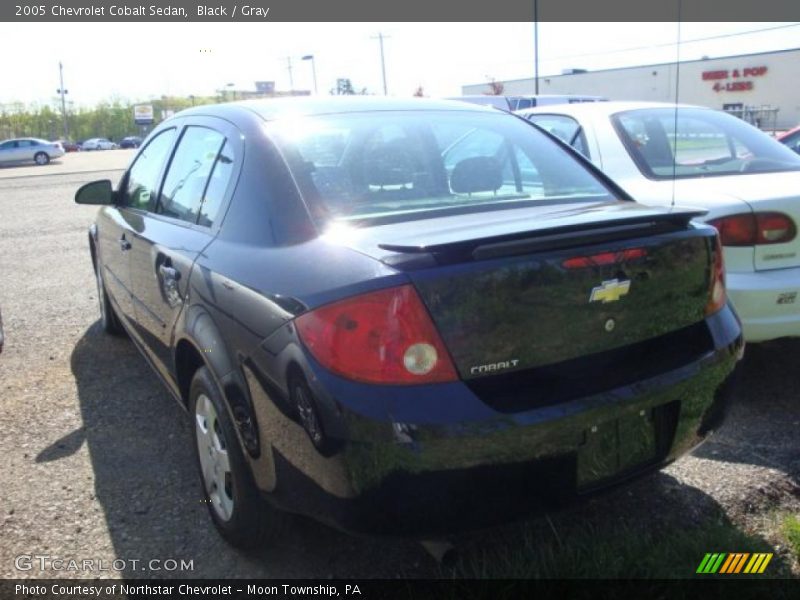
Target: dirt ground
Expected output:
[96,456]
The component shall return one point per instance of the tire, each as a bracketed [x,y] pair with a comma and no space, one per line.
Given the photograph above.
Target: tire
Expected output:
[108,317]
[238,512]
[41,158]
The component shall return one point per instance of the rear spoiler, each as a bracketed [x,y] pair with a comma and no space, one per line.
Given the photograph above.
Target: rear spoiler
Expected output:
[546,238]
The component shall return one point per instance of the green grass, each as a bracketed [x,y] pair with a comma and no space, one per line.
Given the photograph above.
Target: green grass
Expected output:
[791,530]
[583,550]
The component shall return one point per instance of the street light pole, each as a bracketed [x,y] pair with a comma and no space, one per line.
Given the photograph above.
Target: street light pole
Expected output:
[62,92]
[313,70]
[536,46]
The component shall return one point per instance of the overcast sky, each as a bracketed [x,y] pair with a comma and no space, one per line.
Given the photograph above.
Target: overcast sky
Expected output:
[138,61]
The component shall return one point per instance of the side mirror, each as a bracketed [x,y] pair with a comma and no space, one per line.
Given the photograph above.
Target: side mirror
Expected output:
[96,192]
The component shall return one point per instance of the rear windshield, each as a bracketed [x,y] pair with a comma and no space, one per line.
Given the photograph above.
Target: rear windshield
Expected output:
[415,164]
[698,143]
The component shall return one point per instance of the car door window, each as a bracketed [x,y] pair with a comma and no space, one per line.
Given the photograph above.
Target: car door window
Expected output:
[565,128]
[217,185]
[141,185]
[189,173]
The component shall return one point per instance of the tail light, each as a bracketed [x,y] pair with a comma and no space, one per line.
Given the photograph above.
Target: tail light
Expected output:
[755,229]
[380,337]
[716,296]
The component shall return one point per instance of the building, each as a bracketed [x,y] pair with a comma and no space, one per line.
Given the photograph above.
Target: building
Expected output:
[761,88]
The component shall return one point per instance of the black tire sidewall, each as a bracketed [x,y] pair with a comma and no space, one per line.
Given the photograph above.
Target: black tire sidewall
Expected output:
[44,162]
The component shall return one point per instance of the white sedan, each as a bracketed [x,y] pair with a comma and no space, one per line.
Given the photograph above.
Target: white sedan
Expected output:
[748,182]
[98,144]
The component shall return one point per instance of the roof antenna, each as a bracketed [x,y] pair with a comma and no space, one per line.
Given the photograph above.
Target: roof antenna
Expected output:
[677,89]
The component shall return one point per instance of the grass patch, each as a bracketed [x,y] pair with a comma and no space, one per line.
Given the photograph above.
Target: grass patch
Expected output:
[791,530]
[582,550]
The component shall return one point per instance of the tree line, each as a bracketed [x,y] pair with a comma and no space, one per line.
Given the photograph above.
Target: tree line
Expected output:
[112,119]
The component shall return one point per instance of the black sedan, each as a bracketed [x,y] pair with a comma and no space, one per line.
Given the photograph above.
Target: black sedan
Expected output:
[407,317]
[130,142]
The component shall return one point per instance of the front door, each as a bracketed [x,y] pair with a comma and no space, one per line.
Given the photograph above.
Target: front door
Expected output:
[180,227]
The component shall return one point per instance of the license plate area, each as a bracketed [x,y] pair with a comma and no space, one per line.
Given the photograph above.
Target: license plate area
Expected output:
[612,448]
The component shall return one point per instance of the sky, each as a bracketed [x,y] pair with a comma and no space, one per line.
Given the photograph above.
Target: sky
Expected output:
[140,61]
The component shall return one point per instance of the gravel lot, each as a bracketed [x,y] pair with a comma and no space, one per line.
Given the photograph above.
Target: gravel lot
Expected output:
[96,456]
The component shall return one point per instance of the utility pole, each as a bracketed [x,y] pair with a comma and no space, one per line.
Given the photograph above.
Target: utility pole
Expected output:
[62,92]
[289,68]
[380,37]
[313,70]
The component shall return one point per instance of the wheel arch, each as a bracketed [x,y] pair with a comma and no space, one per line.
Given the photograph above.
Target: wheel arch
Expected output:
[202,345]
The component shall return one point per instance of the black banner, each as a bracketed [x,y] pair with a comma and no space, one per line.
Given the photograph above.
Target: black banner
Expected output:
[392,10]
[209,589]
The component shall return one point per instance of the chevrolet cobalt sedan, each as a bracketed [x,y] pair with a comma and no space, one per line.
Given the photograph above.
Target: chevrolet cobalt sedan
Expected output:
[407,317]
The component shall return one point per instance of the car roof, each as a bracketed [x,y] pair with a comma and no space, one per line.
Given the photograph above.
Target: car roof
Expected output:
[278,108]
[608,108]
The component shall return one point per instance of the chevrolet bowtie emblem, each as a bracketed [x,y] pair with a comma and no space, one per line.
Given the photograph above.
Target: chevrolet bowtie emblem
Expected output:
[610,291]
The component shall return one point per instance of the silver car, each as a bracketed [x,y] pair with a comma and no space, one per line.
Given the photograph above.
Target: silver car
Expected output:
[98,144]
[29,150]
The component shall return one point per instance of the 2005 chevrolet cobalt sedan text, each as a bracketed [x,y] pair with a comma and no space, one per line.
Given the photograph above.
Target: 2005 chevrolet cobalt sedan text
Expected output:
[407,317]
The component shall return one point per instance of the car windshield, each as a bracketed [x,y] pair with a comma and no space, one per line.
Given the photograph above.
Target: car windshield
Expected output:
[691,142]
[413,164]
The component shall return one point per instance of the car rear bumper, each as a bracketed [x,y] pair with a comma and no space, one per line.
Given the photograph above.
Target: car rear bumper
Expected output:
[436,459]
[767,302]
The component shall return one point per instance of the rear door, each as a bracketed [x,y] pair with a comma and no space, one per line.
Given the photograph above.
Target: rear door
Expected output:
[183,222]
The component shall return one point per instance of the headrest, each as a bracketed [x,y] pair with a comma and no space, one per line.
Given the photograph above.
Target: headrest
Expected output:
[476,174]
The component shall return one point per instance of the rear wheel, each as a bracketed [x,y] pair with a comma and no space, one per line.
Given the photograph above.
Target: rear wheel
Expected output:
[237,510]
[41,158]
[108,318]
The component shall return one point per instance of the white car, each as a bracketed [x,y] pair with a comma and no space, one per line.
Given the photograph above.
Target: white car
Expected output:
[98,144]
[748,182]
[29,150]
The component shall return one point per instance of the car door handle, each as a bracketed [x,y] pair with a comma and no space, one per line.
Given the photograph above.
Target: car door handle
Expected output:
[169,273]
[124,244]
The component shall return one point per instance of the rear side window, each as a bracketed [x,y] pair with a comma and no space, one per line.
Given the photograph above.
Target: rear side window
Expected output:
[689,142]
[565,128]
[141,186]
[221,176]
[188,175]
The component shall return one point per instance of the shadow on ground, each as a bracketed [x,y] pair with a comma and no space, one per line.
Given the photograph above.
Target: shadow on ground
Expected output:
[139,442]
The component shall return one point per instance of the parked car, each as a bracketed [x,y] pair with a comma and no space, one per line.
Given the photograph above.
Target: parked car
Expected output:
[24,150]
[98,144]
[748,182]
[69,146]
[407,316]
[791,139]
[130,142]
[513,103]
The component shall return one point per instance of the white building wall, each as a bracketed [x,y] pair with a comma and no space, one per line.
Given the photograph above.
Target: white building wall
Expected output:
[778,86]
